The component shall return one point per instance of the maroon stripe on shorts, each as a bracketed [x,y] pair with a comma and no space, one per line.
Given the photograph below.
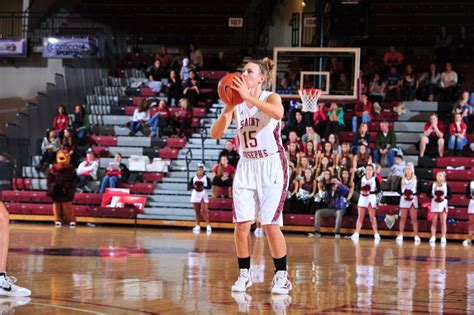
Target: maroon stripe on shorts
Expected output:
[284,166]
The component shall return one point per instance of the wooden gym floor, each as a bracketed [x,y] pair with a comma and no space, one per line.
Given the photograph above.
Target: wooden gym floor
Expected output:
[123,270]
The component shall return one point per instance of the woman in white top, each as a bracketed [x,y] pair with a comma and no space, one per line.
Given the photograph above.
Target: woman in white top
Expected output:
[369,188]
[440,193]
[408,201]
[470,211]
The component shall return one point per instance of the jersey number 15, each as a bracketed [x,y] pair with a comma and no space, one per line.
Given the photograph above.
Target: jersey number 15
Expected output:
[250,141]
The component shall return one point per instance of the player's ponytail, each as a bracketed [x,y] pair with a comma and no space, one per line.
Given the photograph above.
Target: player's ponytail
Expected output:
[266,66]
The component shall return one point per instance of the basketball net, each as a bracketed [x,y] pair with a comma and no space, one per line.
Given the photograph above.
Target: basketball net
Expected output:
[310,97]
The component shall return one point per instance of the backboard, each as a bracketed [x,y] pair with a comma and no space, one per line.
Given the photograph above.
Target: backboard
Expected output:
[333,70]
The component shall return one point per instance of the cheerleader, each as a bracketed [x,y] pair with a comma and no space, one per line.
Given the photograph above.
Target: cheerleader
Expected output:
[440,193]
[470,211]
[369,188]
[199,183]
[408,202]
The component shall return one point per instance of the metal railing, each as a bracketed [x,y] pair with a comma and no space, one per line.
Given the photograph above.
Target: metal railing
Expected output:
[188,157]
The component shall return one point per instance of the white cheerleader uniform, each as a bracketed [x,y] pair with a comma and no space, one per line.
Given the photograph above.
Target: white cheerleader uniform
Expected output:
[408,200]
[439,206]
[199,192]
[470,210]
[368,192]
[261,179]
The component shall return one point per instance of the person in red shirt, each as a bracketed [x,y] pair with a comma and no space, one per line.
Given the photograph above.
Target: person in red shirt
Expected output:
[159,119]
[363,113]
[392,58]
[457,131]
[223,175]
[293,137]
[61,121]
[433,134]
[182,119]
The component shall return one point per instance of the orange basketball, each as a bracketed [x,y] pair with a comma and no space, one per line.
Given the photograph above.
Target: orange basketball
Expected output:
[226,94]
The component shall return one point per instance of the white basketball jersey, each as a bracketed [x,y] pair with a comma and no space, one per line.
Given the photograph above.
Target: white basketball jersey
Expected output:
[258,133]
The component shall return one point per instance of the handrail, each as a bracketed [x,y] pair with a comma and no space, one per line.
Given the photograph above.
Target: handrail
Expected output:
[203,133]
[188,157]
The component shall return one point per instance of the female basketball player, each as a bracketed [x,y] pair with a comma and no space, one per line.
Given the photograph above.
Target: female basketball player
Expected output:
[440,193]
[261,180]
[408,201]
[369,188]
[7,284]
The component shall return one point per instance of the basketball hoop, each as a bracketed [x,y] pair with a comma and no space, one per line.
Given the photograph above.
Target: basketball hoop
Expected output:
[310,97]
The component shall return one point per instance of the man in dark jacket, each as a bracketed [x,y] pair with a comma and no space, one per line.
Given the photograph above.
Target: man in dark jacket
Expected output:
[385,145]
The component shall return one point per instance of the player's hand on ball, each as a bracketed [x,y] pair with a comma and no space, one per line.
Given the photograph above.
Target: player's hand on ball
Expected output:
[240,86]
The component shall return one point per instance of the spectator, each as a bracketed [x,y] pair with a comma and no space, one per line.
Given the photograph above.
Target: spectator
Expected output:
[182,119]
[439,194]
[49,147]
[393,58]
[174,89]
[323,166]
[231,154]
[393,85]
[334,141]
[310,153]
[140,116]
[319,118]
[443,45]
[396,173]
[87,170]
[302,166]
[342,85]
[360,162]
[61,121]
[328,153]
[449,80]
[196,57]
[293,153]
[154,74]
[79,122]
[429,84]
[293,137]
[293,187]
[116,172]
[223,174]
[345,178]
[345,153]
[165,58]
[336,204]
[191,88]
[310,135]
[362,137]
[184,72]
[370,68]
[335,122]
[159,119]
[463,44]
[376,89]
[298,124]
[307,190]
[457,131]
[178,61]
[433,135]
[218,62]
[410,84]
[385,145]
[363,113]
[69,144]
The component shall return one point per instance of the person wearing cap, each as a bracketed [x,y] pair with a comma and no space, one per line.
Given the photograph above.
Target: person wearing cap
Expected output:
[87,170]
[385,145]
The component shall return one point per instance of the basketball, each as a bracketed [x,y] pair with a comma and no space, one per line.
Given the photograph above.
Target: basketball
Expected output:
[226,94]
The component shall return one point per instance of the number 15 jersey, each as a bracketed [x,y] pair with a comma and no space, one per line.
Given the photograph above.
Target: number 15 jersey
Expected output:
[258,134]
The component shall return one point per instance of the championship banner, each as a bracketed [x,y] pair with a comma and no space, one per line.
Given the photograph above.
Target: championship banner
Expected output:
[13,47]
[68,48]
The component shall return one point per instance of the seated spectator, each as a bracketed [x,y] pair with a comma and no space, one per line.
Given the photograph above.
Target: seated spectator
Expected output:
[363,113]
[174,89]
[346,179]
[324,165]
[49,147]
[184,72]
[177,62]
[376,89]
[342,85]
[328,153]
[462,42]
[159,119]
[231,154]
[335,120]
[302,166]
[392,58]
[396,173]
[79,122]
[462,107]
[182,119]
[310,135]
[449,80]
[362,137]
[293,187]
[293,153]
[223,174]
[196,57]
[393,85]
[69,143]
[360,162]
[154,75]
[433,135]
[293,137]
[297,124]
[335,205]
[457,138]
[307,190]
[385,145]
[344,153]
[61,121]
[87,170]
[165,57]
[443,45]
[310,153]
[140,117]
[429,84]
[116,172]
[191,88]
[410,84]
[319,118]
[333,139]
